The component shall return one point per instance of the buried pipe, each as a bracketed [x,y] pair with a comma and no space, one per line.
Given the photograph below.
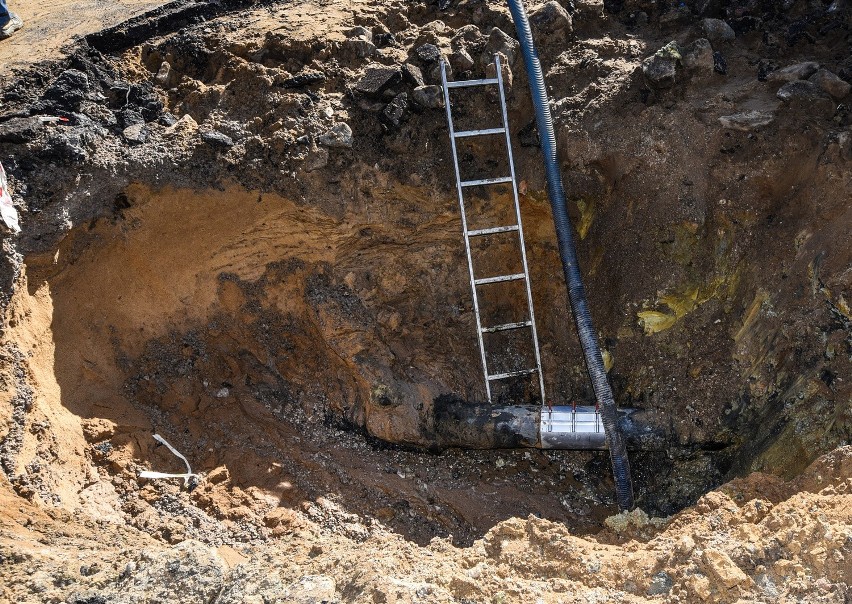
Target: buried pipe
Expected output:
[458,423]
[568,254]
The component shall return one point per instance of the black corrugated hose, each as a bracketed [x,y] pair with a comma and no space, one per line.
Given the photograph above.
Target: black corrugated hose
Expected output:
[573,279]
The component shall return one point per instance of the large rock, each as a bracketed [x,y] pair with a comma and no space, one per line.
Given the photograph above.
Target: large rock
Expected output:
[660,69]
[378,79]
[717,30]
[396,111]
[430,97]
[747,121]
[552,19]
[698,57]
[831,84]
[412,74]
[791,73]
[500,41]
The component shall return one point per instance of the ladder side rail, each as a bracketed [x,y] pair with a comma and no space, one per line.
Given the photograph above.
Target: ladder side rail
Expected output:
[520,226]
[465,229]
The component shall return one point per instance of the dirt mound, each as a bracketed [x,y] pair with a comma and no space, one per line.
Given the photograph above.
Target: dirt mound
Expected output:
[755,539]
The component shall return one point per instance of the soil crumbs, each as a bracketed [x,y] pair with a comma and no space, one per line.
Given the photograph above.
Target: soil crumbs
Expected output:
[756,539]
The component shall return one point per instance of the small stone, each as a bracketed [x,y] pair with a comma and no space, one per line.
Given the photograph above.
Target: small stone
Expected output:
[721,565]
[720,65]
[435,72]
[360,31]
[167,120]
[131,117]
[747,121]
[831,84]
[396,111]
[360,48]
[316,158]
[508,77]
[304,78]
[500,41]
[698,56]
[412,74]
[430,97]
[378,79]
[551,18]
[311,589]
[217,139]
[384,40]
[717,30]
[661,584]
[164,74]
[136,134]
[339,136]
[428,53]
[461,60]
[660,71]
[791,73]
[222,392]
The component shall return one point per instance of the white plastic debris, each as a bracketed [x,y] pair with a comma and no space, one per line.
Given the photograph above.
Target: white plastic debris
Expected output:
[7,210]
[187,477]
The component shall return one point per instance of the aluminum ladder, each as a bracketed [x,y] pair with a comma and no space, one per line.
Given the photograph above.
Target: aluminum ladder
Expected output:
[461,185]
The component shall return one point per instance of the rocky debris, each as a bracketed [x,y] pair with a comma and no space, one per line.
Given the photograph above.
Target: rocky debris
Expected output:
[315,158]
[19,129]
[360,42]
[747,121]
[377,79]
[791,73]
[430,97]
[214,138]
[717,30]
[660,69]
[830,83]
[698,57]
[135,134]
[551,19]
[339,136]
[500,41]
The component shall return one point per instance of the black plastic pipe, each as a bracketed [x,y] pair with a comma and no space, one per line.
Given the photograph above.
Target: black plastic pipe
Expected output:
[568,253]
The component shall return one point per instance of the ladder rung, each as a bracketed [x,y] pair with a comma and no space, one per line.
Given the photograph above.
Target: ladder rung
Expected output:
[466,133]
[464,83]
[486,181]
[511,374]
[491,231]
[506,326]
[500,279]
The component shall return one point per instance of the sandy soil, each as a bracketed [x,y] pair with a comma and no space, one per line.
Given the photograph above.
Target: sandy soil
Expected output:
[51,24]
